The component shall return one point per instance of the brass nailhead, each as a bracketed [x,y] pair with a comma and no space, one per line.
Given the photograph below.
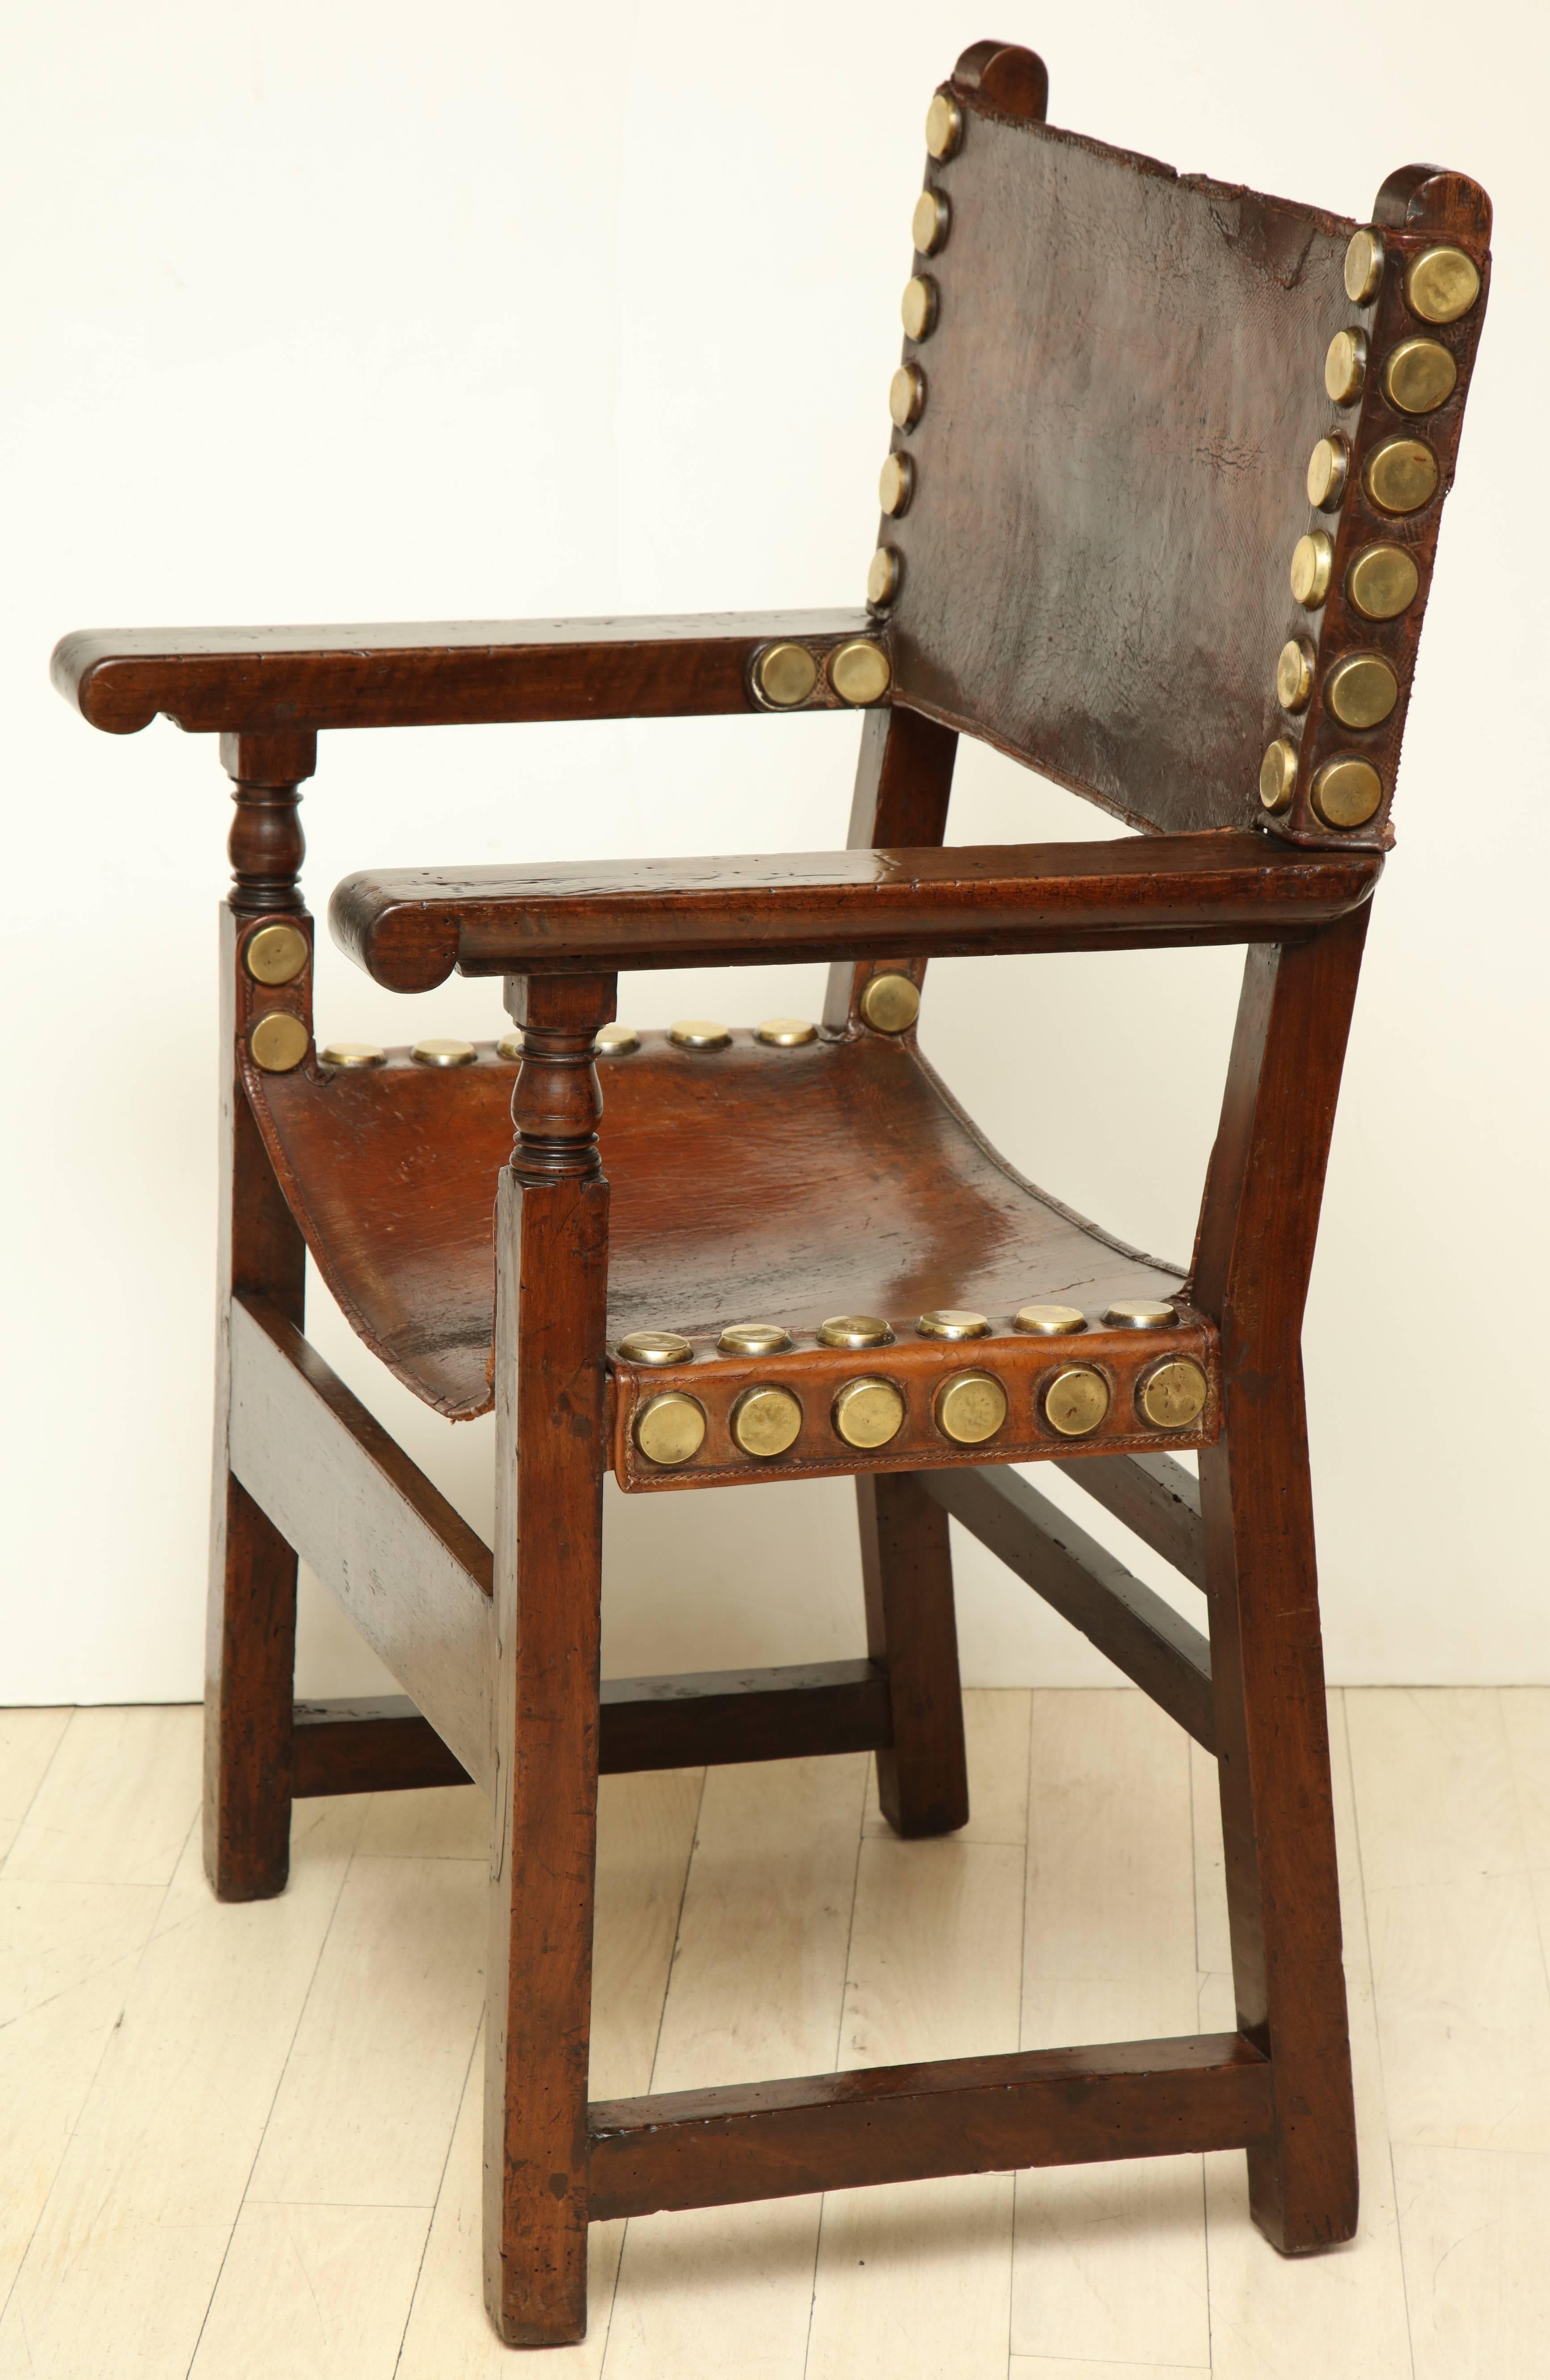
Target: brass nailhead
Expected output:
[1174,1395]
[1327,466]
[854,1330]
[1140,1314]
[276,954]
[1346,792]
[1419,376]
[896,485]
[1294,673]
[906,396]
[1441,284]
[1363,269]
[952,1322]
[1361,691]
[434,1050]
[352,1053]
[671,1429]
[787,674]
[1076,1400]
[869,1412]
[1312,559]
[1381,581]
[766,1421]
[655,1347]
[754,1338]
[614,1041]
[931,221]
[918,306]
[860,673]
[890,1003]
[278,1042]
[1277,775]
[510,1045]
[1049,1321]
[944,127]
[970,1407]
[698,1033]
[1345,366]
[1402,475]
[786,1032]
[883,574]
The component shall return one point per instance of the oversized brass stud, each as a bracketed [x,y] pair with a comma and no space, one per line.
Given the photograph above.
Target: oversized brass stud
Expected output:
[1277,775]
[1441,284]
[1049,1321]
[906,396]
[1173,1395]
[1345,366]
[1294,673]
[854,1330]
[766,1421]
[883,574]
[786,1032]
[1139,1314]
[970,1407]
[1346,792]
[352,1053]
[754,1338]
[1076,1400]
[1363,267]
[944,128]
[917,308]
[1313,558]
[1327,466]
[1418,375]
[896,485]
[952,1322]
[1402,475]
[698,1033]
[275,955]
[671,1429]
[890,1003]
[278,1042]
[867,1413]
[613,1041]
[510,1045]
[1361,691]
[787,674]
[436,1051]
[931,221]
[1381,581]
[860,672]
[654,1347]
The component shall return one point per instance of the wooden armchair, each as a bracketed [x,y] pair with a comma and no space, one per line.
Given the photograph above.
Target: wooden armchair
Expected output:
[1112,385]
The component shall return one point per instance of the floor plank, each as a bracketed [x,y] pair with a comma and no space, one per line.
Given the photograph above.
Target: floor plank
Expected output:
[1459,1967]
[29,1740]
[1474,2223]
[645,1832]
[117,1801]
[313,2293]
[1109,2261]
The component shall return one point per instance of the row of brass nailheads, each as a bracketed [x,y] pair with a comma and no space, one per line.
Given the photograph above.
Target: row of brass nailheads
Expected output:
[1401,477]
[969,1408]
[858,671]
[919,309]
[890,1003]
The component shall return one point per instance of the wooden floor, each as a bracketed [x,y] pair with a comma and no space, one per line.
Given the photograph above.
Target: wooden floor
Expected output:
[246,2142]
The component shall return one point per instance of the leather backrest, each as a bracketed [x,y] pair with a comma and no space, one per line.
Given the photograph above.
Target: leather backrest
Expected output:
[1122,386]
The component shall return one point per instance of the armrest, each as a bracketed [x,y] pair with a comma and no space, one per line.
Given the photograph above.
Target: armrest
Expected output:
[430,675]
[411,930]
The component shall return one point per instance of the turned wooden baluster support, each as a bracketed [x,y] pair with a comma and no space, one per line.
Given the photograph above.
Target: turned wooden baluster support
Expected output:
[558,1101]
[266,844]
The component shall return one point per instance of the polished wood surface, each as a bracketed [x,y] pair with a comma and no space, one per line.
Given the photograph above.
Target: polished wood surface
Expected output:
[1156,1498]
[410,930]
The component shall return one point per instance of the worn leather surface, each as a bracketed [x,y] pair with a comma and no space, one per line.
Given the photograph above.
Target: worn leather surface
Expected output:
[1122,390]
[749,1185]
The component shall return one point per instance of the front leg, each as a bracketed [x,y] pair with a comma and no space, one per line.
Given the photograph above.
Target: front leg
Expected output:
[551,1314]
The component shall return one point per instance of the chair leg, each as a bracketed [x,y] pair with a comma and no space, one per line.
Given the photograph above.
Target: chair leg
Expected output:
[248,1688]
[906,1568]
[1277,1821]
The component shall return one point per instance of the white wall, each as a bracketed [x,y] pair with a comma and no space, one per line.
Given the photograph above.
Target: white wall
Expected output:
[374,311]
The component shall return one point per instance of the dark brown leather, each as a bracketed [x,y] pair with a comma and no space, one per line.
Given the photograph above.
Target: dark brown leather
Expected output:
[749,1185]
[1122,390]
